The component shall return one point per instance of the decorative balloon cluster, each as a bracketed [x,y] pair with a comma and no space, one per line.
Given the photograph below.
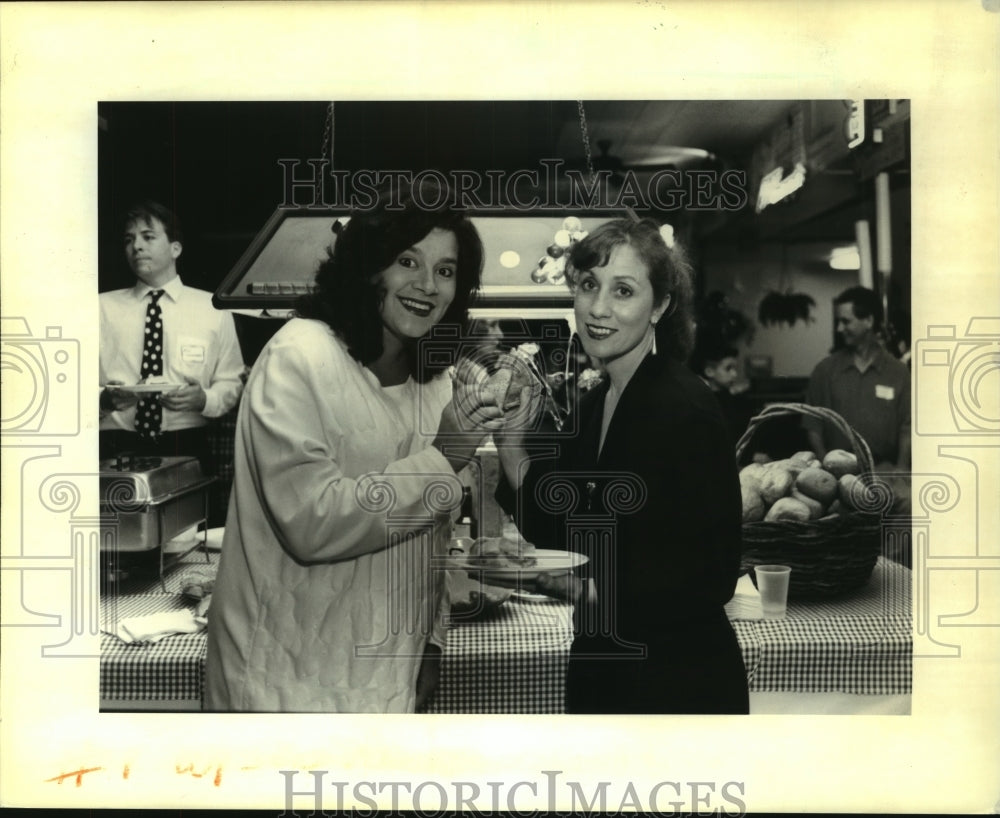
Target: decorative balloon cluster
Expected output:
[551,268]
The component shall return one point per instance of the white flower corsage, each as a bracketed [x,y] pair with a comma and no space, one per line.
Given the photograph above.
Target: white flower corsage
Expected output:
[589,378]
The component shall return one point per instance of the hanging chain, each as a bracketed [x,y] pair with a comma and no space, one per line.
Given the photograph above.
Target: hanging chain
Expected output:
[328,136]
[586,140]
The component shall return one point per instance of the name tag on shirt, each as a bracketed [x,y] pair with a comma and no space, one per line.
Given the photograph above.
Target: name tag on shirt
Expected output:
[884,392]
[195,354]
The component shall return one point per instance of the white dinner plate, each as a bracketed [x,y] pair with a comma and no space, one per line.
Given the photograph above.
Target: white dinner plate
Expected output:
[144,388]
[547,560]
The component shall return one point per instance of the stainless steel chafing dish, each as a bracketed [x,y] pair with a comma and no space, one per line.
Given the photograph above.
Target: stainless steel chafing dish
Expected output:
[147,500]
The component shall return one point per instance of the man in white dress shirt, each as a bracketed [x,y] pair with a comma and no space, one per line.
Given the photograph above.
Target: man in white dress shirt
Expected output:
[161,330]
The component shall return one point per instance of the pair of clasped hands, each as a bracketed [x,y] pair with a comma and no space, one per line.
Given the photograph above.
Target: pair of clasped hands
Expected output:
[476,410]
[187,398]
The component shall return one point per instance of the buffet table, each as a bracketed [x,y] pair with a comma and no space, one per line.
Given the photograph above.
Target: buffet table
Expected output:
[844,656]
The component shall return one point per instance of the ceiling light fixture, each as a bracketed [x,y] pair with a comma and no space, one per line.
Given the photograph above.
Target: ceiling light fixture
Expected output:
[845,258]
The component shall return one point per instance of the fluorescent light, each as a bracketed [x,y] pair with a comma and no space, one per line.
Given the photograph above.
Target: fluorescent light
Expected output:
[845,258]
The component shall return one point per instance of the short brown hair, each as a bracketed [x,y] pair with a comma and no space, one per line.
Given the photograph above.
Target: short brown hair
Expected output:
[669,275]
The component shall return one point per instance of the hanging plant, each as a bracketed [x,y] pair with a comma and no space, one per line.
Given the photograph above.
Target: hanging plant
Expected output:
[785,308]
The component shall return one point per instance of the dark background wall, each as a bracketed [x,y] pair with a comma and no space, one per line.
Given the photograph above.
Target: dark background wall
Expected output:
[214,164]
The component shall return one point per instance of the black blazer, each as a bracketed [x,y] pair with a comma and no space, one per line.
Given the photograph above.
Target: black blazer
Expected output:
[666,483]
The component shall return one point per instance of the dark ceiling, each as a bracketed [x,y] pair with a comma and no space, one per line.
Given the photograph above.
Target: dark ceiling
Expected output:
[216,163]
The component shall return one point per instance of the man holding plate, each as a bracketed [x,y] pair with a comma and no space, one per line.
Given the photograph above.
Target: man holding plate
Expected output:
[169,361]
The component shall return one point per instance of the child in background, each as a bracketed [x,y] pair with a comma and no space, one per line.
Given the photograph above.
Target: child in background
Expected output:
[717,364]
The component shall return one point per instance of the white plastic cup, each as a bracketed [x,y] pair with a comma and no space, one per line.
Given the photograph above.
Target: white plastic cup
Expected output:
[772,582]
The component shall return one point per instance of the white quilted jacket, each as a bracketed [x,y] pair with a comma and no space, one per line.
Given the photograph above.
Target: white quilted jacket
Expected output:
[325,597]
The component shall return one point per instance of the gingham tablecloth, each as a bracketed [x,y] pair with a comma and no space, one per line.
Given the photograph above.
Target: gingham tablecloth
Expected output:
[862,644]
[511,661]
[514,661]
[169,670]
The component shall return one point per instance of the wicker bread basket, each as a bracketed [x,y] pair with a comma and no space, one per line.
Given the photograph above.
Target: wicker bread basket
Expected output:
[829,556]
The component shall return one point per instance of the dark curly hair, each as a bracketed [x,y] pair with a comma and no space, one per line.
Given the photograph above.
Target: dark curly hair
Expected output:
[669,274]
[347,294]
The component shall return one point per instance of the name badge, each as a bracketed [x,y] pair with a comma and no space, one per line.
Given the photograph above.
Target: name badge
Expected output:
[884,392]
[195,354]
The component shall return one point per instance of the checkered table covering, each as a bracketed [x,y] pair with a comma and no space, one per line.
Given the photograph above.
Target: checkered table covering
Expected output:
[169,670]
[514,660]
[861,644]
[511,661]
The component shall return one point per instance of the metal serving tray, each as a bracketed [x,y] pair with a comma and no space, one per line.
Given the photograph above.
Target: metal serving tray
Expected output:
[147,501]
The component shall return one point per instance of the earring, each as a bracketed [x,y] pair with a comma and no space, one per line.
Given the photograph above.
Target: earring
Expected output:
[654,340]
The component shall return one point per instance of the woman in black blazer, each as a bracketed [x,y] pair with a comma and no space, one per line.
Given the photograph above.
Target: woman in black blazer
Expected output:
[645,484]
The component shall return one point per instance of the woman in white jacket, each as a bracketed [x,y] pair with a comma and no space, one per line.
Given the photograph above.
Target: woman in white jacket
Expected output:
[347,448]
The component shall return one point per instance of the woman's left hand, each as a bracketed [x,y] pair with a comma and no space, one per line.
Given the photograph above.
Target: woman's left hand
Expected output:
[429,675]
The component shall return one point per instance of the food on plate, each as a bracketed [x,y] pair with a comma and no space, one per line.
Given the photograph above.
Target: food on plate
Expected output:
[788,508]
[839,462]
[158,380]
[818,484]
[500,553]
[155,381]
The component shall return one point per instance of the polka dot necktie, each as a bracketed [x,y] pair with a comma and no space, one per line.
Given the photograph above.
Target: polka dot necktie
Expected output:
[148,412]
